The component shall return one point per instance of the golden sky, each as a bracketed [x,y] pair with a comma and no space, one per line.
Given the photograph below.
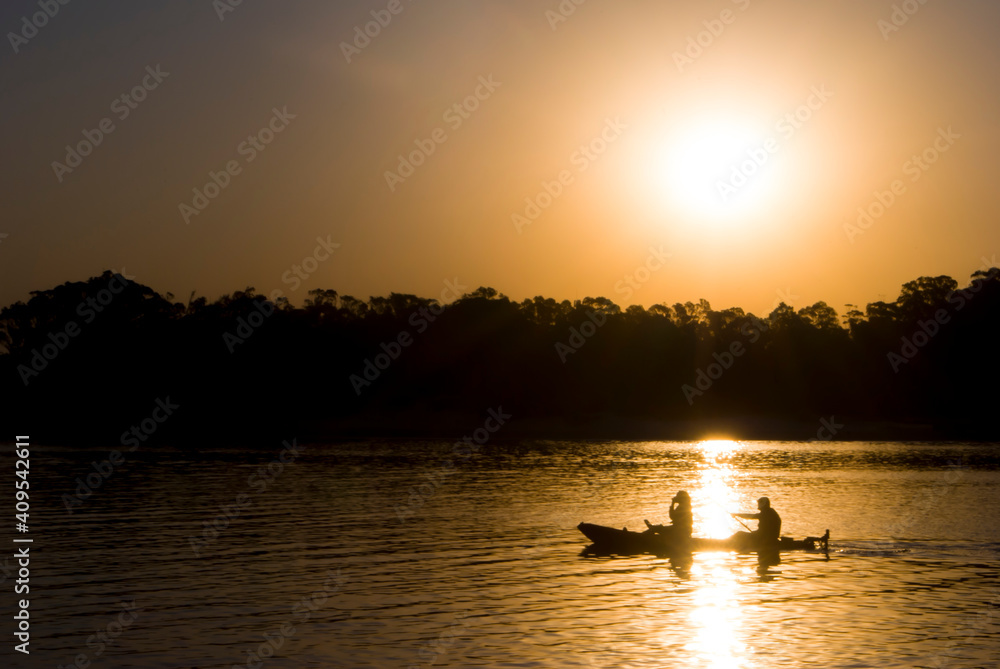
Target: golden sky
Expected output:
[628,124]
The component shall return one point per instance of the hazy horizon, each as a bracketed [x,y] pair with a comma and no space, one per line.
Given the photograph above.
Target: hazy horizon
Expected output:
[446,293]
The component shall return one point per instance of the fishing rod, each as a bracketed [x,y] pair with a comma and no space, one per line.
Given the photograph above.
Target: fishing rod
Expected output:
[740,521]
[733,515]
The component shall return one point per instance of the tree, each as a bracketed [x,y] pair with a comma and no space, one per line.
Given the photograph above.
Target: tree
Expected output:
[820,316]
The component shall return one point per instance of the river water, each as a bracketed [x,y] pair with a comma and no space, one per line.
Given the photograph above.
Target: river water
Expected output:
[328,564]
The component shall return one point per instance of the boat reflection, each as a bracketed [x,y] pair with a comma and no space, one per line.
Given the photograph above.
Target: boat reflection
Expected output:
[766,560]
[681,564]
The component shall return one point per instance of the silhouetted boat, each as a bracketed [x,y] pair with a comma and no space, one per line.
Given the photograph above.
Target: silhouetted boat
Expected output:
[625,542]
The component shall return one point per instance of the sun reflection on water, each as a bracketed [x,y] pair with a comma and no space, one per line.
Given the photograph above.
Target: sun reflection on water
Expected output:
[716,614]
[714,496]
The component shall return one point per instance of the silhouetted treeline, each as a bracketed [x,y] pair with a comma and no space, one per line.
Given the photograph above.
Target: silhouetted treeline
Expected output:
[112,360]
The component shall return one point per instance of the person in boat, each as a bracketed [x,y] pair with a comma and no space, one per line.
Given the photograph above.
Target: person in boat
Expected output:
[768,522]
[681,518]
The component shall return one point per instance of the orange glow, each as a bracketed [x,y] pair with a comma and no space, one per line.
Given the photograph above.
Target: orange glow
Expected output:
[716,614]
[656,184]
[714,494]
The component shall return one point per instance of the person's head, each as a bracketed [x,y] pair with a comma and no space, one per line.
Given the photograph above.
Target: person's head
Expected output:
[682,497]
[763,503]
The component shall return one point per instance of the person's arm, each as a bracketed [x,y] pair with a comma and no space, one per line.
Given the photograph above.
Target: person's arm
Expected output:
[749,516]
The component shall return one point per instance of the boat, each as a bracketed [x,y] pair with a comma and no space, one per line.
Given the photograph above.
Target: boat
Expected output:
[659,541]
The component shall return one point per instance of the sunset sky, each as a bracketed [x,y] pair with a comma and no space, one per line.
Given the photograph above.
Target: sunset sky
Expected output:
[666,121]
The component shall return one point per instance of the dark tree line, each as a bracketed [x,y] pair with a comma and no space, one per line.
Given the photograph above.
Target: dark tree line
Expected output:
[87,361]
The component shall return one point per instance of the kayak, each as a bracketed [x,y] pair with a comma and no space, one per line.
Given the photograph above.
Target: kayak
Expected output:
[662,542]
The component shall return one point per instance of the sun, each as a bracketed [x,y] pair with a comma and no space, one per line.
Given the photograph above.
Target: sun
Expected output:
[715,168]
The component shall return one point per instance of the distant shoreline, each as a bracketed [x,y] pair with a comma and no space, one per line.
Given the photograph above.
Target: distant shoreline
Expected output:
[111,362]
